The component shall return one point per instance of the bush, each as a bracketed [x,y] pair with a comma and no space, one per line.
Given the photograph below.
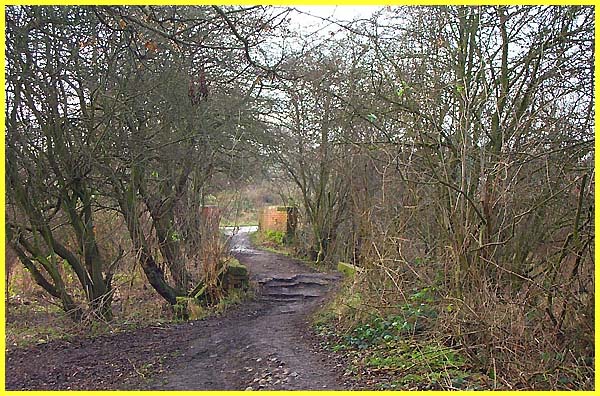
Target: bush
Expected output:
[276,237]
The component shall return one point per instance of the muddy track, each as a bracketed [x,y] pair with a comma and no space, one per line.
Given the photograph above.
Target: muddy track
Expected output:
[265,343]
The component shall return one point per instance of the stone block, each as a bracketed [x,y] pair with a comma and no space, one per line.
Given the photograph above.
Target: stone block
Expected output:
[236,276]
[348,269]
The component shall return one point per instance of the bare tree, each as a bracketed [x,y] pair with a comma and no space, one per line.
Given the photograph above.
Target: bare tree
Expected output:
[486,125]
[49,160]
[131,112]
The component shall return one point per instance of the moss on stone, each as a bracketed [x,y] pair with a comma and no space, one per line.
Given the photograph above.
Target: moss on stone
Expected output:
[347,269]
[236,275]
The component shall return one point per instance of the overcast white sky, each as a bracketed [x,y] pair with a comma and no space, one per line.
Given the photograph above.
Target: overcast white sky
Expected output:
[339,12]
[307,23]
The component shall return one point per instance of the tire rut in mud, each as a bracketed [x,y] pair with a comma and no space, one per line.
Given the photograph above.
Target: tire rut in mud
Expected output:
[266,344]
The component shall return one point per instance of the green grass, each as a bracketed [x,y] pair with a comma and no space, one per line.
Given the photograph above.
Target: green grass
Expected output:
[275,237]
[258,240]
[273,240]
[398,351]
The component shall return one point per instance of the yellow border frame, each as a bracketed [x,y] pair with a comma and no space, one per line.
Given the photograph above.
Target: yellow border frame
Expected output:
[305,2]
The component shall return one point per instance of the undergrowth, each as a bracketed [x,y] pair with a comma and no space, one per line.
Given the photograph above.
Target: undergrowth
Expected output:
[394,351]
[270,240]
[34,320]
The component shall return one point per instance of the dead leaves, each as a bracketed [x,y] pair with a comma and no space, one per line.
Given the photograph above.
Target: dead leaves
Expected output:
[151,46]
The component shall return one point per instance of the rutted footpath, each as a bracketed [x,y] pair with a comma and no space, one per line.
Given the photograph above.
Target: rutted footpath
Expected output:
[263,344]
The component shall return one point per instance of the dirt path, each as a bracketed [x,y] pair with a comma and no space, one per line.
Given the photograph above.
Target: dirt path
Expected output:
[264,344]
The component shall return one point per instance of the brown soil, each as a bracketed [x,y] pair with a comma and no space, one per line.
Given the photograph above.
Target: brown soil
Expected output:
[263,344]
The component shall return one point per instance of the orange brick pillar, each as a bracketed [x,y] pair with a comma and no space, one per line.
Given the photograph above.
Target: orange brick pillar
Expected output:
[279,218]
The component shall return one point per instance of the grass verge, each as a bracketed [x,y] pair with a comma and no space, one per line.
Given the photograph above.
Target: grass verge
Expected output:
[396,351]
